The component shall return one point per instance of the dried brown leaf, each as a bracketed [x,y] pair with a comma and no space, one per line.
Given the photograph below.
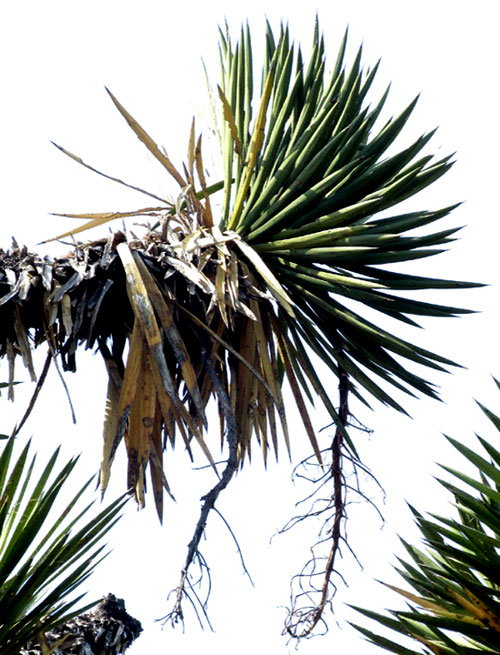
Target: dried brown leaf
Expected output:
[148,142]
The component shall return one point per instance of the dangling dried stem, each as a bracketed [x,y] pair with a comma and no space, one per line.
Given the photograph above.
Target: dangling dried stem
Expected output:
[211,497]
[309,601]
[341,471]
[38,388]
[302,621]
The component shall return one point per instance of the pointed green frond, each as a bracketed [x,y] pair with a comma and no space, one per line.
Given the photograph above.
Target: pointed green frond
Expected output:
[457,580]
[43,559]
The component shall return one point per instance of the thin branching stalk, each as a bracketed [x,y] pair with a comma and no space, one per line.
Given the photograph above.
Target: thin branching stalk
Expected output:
[301,622]
[211,497]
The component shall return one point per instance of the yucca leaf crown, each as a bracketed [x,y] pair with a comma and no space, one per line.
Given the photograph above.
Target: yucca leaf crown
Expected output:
[260,288]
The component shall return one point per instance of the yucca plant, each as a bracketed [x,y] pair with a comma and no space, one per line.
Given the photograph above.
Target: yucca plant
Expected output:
[231,300]
[454,602]
[46,553]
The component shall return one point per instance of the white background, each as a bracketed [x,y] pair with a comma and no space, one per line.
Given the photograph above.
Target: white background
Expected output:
[56,58]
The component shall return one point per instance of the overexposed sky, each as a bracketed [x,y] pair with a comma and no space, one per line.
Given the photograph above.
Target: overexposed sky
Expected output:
[56,59]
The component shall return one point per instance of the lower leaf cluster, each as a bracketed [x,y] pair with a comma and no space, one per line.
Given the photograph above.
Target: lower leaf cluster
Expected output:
[454,604]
